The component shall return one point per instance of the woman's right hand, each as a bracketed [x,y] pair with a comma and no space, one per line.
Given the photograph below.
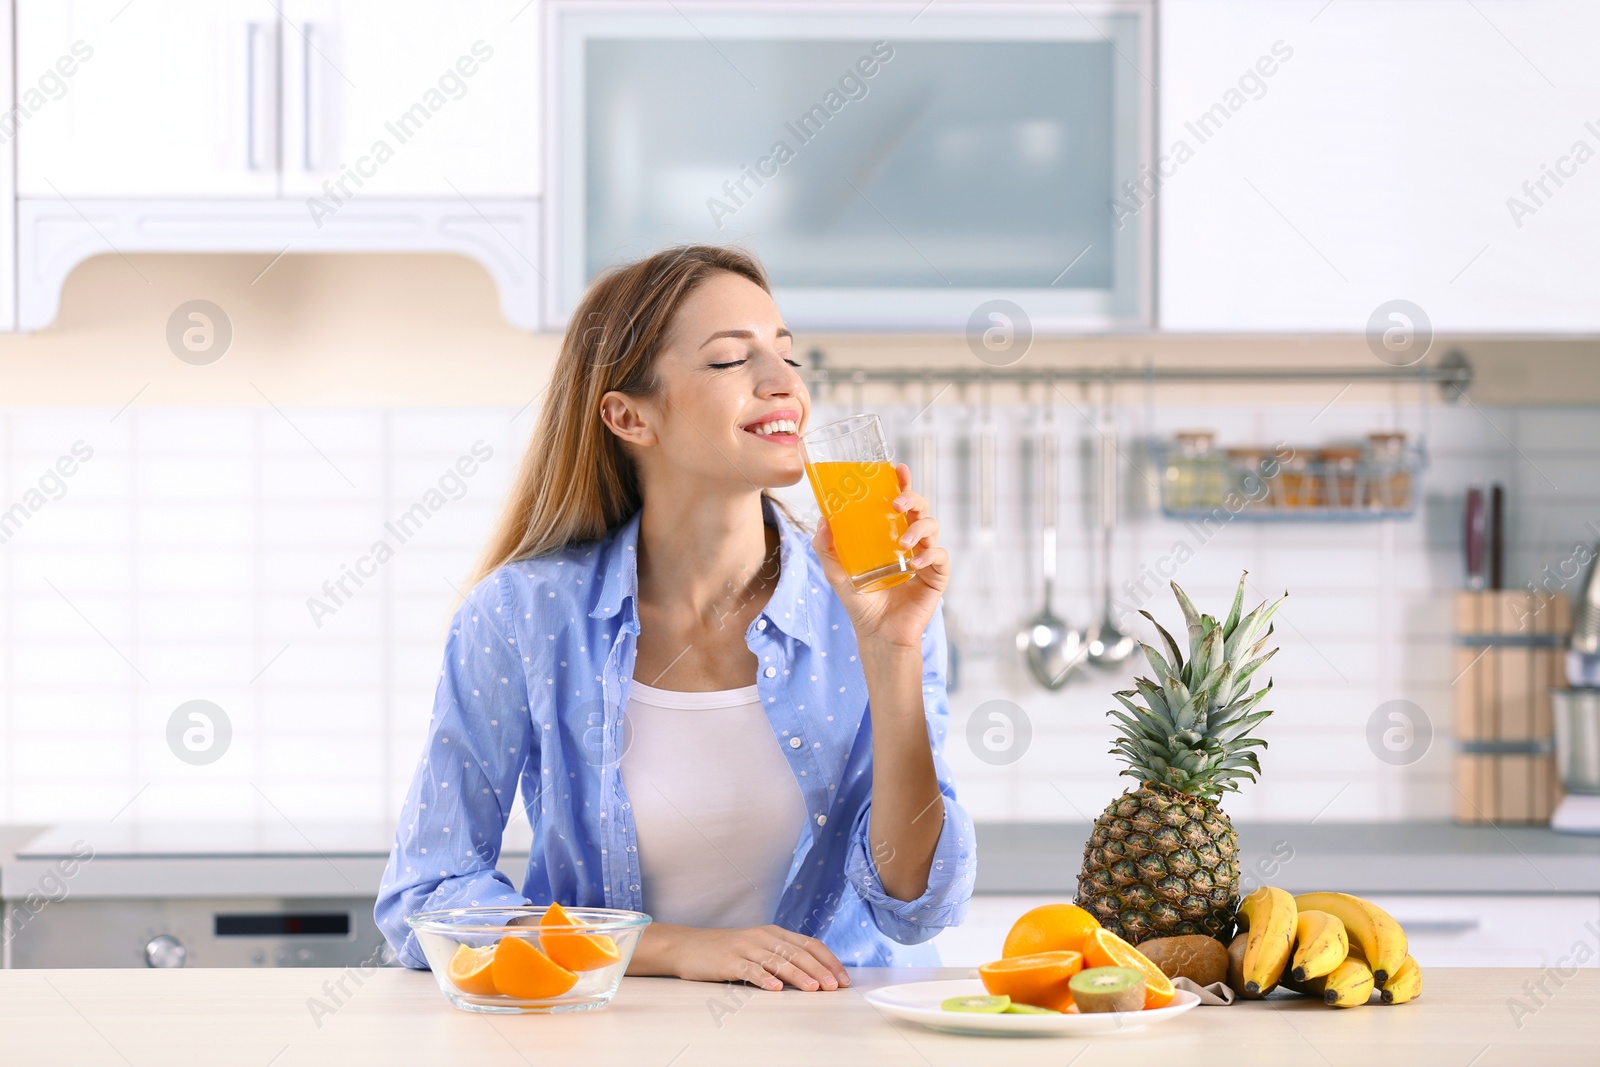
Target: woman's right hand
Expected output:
[766,956]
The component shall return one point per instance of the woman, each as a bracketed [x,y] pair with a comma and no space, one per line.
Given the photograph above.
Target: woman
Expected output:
[713,726]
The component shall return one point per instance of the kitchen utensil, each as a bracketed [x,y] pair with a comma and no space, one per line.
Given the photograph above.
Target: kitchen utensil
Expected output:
[442,934]
[983,615]
[927,475]
[1497,550]
[918,1002]
[1108,646]
[1051,647]
[1577,721]
[1586,608]
[1473,539]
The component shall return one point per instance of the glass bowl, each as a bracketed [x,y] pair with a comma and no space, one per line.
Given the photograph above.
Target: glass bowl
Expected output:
[471,962]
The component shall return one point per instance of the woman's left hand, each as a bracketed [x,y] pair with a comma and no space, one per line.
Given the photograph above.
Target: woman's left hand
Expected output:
[898,615]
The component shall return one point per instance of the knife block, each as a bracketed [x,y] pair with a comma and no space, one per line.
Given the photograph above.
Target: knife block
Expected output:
[1509,653]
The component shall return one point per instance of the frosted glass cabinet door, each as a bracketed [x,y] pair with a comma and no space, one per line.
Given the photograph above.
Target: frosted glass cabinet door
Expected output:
[888,172]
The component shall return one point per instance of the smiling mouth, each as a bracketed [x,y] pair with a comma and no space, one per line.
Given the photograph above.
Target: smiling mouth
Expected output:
[778,431]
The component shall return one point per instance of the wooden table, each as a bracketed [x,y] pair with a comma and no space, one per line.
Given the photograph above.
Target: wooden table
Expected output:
[242,1017]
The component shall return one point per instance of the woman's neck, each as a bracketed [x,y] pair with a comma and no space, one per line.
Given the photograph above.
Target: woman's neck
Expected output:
[712,554]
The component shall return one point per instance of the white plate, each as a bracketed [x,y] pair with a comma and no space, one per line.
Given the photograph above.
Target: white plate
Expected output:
[919,1002]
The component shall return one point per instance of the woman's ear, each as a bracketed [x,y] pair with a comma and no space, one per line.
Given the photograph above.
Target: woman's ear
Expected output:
[628,418]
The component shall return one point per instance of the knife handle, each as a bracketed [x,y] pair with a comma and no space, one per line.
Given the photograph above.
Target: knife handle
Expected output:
[1497,544]
[1474,538]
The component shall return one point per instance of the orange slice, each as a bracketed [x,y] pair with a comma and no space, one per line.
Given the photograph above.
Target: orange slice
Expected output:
[1039,979]
[572,950]
[471,970]
[1048,928]
[520,970]
[1103,948]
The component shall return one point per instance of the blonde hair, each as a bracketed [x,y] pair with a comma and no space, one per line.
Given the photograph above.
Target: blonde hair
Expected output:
[576,482]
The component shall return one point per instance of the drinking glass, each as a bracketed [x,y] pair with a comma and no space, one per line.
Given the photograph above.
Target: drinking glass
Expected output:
[853,476]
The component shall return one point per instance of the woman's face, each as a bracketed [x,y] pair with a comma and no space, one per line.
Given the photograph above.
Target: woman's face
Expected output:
[732,403]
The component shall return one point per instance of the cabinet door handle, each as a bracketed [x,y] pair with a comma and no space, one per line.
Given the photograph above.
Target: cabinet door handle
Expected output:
[311,135]
[262,128]
[1441,926]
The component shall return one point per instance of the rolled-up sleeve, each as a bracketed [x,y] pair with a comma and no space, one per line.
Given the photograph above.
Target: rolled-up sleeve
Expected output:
[480,739]
[955,857]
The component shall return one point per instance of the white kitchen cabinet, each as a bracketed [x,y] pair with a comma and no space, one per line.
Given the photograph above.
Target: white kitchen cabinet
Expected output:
[1322,159]
[411,99]
[1465,930]
[276,126]
[8,172]
[228,98]
[174,99]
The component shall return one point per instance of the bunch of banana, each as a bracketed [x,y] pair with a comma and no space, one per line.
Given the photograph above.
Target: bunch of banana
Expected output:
[1333,946]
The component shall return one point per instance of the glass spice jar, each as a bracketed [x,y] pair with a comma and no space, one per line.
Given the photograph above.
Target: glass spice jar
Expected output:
[1389,479]
[1340,475]
[1248,471]
[1296,481]
[1197,477]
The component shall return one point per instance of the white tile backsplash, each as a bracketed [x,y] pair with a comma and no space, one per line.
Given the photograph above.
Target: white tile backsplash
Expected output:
[178,560]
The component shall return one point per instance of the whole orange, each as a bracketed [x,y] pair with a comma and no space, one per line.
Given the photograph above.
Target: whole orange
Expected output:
[1039,979]
[1049,928]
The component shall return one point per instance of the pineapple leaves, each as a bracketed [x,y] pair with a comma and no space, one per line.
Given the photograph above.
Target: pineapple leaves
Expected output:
[1188,726]
[1192,619]
[1172,646]
[1157,664]
[1251,625]
[1233,612]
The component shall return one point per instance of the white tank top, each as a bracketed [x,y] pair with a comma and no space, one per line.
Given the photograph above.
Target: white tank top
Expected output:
[716,808]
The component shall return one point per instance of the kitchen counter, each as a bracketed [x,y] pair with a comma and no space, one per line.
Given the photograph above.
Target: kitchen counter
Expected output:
[1375,858]
[1021,858]
[180,1017]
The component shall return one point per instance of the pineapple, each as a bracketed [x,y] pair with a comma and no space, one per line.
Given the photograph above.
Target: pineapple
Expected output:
[1163,858]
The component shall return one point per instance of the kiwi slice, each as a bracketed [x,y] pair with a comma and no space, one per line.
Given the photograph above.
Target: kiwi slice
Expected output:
[1107,989]
[1029,1009]
[983,1005]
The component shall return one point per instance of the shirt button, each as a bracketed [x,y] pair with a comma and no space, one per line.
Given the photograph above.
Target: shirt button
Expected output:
[771,672]
[822,820]
[794,742]
[761,624]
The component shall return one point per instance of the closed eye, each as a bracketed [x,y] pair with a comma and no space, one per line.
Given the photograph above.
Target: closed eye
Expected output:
[737,362]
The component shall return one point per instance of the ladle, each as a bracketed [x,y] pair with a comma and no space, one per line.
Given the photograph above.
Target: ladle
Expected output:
[1051,647]
[1108,646]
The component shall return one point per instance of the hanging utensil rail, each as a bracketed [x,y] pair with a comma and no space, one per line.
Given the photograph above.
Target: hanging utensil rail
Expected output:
[1453,374]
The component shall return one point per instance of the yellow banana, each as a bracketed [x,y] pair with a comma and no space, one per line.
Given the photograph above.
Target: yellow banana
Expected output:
[1320,945]
[1268,917]
[1236,967]
[1405,984]
[1372,931]
[1346,986]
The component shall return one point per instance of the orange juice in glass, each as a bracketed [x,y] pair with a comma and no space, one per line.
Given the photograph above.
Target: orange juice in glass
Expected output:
[850,471]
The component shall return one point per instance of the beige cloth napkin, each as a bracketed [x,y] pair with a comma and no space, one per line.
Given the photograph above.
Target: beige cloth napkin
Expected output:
[1217,994]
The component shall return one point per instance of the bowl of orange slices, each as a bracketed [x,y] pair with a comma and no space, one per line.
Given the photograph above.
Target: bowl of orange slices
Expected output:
[535,958]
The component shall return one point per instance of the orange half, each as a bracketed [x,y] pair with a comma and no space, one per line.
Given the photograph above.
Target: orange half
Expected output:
[572,950]
[1048,928]
[471,970]
[1105,949]
[1039,979]
[522,971]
